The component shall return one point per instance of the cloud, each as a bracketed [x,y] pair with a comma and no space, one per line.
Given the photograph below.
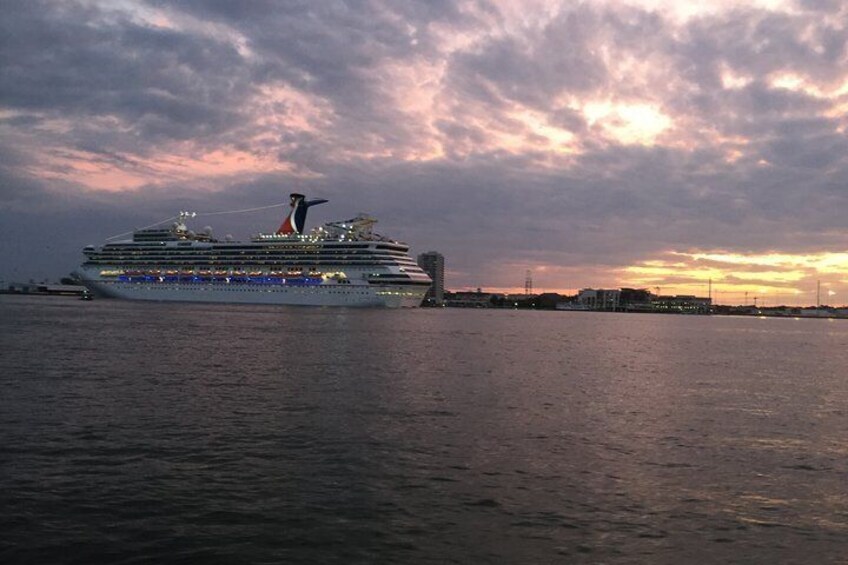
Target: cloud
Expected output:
[72,60]
[573,139]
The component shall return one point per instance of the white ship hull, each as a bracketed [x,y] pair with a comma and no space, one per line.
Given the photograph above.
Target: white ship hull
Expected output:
[319,295]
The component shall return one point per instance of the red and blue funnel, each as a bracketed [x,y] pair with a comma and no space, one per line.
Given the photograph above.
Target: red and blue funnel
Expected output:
[296,219]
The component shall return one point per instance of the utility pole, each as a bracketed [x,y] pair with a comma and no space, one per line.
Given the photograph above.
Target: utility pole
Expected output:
[528,284]
[818,295]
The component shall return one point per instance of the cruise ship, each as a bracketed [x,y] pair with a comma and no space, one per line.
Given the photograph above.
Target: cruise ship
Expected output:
[337,264]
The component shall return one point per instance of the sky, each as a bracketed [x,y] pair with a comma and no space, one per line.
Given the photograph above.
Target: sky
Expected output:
[646,143]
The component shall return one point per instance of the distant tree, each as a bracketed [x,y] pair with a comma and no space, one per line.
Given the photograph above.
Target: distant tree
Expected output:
[548,300]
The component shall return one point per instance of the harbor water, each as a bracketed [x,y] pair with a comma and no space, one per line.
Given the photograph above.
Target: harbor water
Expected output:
[192,433]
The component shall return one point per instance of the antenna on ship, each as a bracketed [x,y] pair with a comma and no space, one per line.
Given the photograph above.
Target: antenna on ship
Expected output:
[528,283]
[182,217]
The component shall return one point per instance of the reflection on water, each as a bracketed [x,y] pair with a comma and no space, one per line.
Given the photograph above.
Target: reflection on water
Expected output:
[206,433]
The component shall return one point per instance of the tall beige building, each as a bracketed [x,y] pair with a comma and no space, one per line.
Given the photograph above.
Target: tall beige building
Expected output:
[433,263]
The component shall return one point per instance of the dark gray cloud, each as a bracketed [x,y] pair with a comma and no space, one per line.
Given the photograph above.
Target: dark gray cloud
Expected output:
[70,59]
[827,6]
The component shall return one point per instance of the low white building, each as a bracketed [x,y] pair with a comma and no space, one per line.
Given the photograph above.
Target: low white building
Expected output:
[599,299]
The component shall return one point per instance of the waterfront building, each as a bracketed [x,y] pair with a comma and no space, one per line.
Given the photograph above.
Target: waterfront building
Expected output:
[682,304]
[636,299]
[470,299]
[433,263]
[44,288]
[599,299]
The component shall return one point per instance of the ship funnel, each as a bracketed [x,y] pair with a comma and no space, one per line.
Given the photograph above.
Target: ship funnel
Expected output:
[296,219]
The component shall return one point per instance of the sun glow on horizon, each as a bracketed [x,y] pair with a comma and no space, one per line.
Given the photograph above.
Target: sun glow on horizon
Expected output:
[791,278]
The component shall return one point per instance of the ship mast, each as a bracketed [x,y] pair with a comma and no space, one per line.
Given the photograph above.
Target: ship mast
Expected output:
[182,217]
